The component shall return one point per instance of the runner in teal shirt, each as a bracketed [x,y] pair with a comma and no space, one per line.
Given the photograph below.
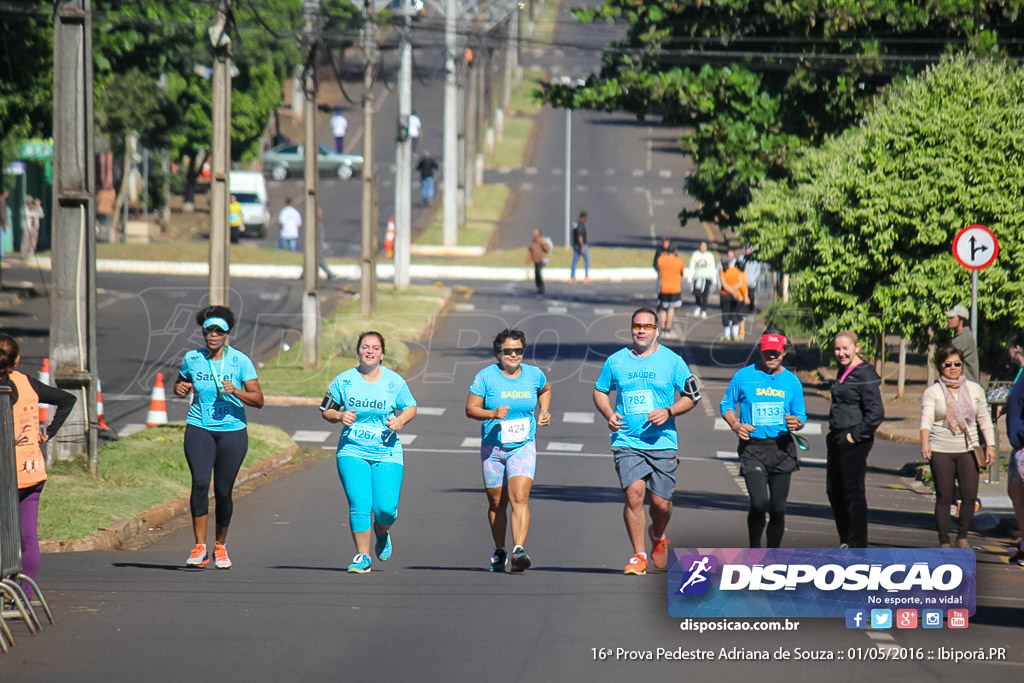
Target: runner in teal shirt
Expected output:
[373,403]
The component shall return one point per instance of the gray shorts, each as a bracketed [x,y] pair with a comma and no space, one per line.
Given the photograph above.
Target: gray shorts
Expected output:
[657,468]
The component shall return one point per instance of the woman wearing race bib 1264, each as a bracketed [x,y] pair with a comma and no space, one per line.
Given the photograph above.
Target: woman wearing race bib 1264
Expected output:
[504,396]
[224,381]
[373,403]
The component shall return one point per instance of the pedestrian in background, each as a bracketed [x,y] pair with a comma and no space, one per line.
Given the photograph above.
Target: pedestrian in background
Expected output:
[953,411]
[645,377]
[5,220]
[1015,431]
[504,396]
[106,199]
[537,252]
[670,288]
[958,319]
[223,382]
[733,297]
[427,167]
[580,247]
[28,437]
[764,405]
[339,126]
[290,221]
[856,413]
[662,248]
[415,129]
[31,217]
[235,219]
[703,275]
[373,403]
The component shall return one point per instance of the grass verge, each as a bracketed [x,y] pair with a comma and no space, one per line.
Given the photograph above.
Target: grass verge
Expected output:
[509,151]
[136,473]
[488,202]
[544,33]
[475,234]
[522,102]
[401,317]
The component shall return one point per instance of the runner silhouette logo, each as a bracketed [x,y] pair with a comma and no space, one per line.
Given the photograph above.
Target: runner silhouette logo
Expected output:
[696,578]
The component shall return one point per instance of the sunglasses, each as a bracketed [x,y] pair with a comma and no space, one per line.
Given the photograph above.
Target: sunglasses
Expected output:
[213,330]
[644,326]
[953,364]
[512,352]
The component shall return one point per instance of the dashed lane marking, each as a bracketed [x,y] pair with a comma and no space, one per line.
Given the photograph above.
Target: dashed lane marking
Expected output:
[530,170]
[430,410]
[557,309]
[465,307]
[560,446]
[579,418]
[407,439]
[471,442]
[664,173]
[604,311]
[512,308]
[310,436]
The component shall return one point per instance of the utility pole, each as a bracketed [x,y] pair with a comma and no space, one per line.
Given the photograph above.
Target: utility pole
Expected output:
[220,158]
[461,83]
[368,281]
[73,299]
[472,101]
[403,153]
[311,225]
[451,127]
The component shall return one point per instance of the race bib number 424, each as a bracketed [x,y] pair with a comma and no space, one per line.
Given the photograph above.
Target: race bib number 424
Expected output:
[515,431]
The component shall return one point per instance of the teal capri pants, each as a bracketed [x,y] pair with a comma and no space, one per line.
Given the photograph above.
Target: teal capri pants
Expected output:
[371,487]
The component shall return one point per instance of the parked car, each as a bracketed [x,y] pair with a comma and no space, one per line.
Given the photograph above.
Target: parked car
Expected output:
[287,159]
[250,187]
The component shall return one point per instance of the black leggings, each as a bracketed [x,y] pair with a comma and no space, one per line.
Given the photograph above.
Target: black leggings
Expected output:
[700,295]
[947,470]
[222,454]
[768,494]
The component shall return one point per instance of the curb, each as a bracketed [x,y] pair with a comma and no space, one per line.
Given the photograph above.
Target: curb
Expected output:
[117,535]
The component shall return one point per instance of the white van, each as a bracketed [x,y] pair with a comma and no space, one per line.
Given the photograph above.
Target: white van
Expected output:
[250,187]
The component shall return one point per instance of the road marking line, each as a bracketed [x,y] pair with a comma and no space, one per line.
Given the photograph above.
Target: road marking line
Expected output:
[638,173]
[726,455]
[811,428]
[668,190]
[310,435]
[721,425]
[561,446]
[530,170]
[604,311]
[430,410]
[579,418]
[556,171]
[584,172]
[471,442]
[526,187]
[557,309]
[130,429]
[582,188]
[665,173]
[511,307]
[406,439]
[465,307]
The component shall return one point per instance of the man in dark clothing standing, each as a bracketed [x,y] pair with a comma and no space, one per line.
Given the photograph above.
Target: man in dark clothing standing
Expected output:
[427,167]
[580,247]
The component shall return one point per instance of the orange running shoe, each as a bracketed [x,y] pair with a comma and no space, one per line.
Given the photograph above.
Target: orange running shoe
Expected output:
[198,557]
[220,556]
[659,555]
[637,565]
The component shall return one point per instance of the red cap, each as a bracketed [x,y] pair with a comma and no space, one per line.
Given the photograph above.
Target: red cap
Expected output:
[773,342]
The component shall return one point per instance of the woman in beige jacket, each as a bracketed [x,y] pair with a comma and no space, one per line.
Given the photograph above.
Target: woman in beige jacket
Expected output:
[953,411]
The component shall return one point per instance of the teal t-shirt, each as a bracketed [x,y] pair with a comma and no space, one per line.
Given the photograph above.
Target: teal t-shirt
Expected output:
[211,409]
[519,394]
[764,400]
[643,384]
[374,402]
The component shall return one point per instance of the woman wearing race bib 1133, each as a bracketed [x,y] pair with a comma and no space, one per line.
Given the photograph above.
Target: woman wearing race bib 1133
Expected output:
[224,381]
[504,397]
[763,405]
[373,403]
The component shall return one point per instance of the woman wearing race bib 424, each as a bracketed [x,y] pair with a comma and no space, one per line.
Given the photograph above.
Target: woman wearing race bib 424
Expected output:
[504,397]
[224,381]
[373,403]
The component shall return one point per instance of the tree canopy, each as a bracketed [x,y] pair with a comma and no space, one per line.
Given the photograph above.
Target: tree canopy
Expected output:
[756,80]
[866,222]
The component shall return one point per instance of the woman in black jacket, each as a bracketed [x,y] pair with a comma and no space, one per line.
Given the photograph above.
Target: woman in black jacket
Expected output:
[855,415]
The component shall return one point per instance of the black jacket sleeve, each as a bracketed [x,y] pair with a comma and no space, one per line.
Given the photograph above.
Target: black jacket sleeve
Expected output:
[54,397]
[871,408]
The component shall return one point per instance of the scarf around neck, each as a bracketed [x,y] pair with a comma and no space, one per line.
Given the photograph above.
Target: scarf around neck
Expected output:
[959,410]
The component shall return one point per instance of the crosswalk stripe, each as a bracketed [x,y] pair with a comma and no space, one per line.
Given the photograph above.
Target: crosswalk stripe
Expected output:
[726,455]
[406,439]
[721,425]
[512,308]
[471,442]
[809,428]
[310,435]
[557,309]
[432,411]
[604,311]
[568,447]
[579,418]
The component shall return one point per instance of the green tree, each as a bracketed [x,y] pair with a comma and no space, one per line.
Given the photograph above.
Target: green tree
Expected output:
[755,80]
[26,73]
[866,222]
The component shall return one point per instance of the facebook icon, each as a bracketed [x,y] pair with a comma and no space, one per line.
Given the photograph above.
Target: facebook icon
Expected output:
[856,618]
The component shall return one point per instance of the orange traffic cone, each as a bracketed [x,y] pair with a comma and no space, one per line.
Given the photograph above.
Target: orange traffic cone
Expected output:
[100,421]
[44,378]
[389,238]
[157,403]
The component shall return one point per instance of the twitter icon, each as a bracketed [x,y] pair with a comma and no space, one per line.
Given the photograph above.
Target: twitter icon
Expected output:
[881,618]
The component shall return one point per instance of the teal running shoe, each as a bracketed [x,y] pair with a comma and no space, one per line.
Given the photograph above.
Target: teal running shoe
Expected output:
[360,564]
[383,547]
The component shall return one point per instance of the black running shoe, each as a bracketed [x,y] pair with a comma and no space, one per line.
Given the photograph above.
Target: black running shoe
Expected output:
[498,560]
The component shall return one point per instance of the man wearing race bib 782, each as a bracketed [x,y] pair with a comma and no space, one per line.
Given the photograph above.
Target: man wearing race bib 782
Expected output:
[645,378]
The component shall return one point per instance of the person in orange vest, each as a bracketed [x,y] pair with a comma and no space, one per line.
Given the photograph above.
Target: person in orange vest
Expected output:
[28,438]
[734,297]
[670,288]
